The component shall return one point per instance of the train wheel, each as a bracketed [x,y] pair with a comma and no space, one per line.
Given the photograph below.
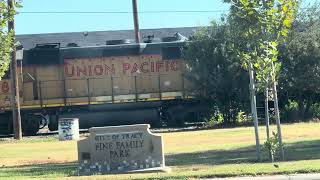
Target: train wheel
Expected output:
[53,123]
[31,124]
[179,119]
[6,126]
[174,119]
[31,128]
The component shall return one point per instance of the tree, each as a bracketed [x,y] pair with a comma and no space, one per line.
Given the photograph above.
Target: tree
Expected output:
[7,52]
[6,38]
[300,57]
[259,26]
[212,67]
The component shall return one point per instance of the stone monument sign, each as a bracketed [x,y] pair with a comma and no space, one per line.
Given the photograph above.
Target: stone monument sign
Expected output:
[116,149]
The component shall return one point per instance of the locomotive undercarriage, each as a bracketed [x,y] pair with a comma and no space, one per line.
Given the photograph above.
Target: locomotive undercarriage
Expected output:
[31,122]
[157,114]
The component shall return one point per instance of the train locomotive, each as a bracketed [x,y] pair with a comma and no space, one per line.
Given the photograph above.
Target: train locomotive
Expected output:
[114,84]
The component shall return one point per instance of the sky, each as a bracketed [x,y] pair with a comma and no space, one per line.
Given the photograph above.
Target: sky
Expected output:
[30,21]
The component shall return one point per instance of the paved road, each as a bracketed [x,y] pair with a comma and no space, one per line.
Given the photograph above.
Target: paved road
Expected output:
[276,177]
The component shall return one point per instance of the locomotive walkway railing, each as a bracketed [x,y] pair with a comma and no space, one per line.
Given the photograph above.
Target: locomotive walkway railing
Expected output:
[114,89]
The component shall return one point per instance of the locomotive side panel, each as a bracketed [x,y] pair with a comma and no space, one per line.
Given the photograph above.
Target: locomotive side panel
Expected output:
[100,78]
[122,77]
[5,92]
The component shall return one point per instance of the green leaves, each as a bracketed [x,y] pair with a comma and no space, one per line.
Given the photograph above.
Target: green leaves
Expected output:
[272,145]
[6,38]
[262,24]
[213,66]
[300,56]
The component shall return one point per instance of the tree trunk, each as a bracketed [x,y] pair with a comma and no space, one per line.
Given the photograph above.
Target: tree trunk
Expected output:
[266,109]
[254,110]
[300,106]
[277,113]
[308,106]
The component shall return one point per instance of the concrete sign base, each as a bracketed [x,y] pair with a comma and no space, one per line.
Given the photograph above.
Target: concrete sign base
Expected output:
[119,149]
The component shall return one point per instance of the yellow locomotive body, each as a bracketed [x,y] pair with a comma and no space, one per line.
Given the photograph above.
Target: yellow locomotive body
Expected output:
[64,82]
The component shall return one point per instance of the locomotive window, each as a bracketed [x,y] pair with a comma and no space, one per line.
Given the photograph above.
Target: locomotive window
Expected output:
[171,53]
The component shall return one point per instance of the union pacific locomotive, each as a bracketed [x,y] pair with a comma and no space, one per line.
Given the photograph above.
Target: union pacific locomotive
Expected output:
[113,84]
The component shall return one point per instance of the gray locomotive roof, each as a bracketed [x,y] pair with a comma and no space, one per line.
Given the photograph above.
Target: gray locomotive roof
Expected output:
[97,38]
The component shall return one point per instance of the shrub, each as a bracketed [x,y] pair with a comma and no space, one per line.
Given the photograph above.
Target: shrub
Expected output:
[272,146]
[215,119]
[241,117]
[315,110]
[290,111]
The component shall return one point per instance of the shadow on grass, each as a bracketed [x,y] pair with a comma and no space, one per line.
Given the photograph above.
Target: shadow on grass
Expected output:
[39,170]
[302,150]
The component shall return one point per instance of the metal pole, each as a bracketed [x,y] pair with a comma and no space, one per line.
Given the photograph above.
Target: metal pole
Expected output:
[136,21]
[15,102]
[254,110]
[277,113]
[266,109]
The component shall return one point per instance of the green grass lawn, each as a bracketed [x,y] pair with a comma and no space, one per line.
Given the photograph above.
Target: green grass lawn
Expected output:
[193,154]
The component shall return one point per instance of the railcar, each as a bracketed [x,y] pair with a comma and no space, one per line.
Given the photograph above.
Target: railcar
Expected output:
[115,84]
